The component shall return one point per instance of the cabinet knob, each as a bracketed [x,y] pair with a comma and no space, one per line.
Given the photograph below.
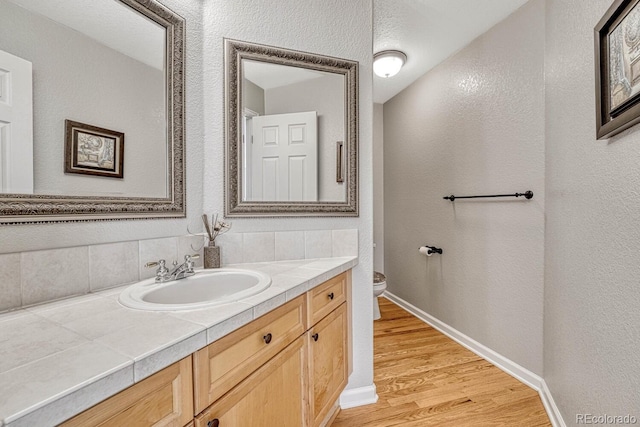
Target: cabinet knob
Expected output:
[330,296]
[315,337]
[267,338]
[213,423]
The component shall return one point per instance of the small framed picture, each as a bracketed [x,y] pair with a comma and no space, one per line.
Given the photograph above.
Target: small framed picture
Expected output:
[617,60]
[91,150]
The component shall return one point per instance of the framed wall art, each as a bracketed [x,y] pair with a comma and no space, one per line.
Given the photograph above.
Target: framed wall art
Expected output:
[617,63]
[91,150]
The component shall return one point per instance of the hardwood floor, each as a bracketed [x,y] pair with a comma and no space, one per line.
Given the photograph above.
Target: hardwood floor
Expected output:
[424,378]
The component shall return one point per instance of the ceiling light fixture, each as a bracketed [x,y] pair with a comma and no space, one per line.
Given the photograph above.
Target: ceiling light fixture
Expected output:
[388,62]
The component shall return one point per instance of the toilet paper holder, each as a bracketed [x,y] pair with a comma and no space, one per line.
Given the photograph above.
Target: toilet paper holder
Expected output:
[433,249]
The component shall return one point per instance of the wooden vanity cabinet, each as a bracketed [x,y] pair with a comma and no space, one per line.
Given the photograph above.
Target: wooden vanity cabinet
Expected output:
[274,395]
[297,387]
[163,399]
[328,369]
[225,363]
[327,339]
[325,298]
[286,368]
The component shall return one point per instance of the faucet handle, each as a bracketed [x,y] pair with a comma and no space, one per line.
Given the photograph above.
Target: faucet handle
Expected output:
[188,260]
[162,273]
[161,263]
[152,264]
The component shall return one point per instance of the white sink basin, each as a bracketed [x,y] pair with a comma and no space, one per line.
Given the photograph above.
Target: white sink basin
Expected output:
[204,289]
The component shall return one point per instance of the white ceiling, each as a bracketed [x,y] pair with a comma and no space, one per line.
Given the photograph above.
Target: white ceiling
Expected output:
[269,76]
[428,32]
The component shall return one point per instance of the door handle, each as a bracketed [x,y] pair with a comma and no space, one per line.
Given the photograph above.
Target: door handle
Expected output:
[339,161]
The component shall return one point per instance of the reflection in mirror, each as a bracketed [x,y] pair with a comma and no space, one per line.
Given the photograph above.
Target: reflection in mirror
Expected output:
[292,119]
[117,67]
[289,117]
[90,65]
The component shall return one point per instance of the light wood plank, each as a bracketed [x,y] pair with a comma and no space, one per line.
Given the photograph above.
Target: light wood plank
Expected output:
[424,378]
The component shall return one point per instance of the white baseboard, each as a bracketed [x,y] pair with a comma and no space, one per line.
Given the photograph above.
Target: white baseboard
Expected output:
[358,397]
[510,367]
[550,406]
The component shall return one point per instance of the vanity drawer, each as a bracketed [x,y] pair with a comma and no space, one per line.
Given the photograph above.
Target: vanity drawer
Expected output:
[163,399]
[323,299]
[223,364]
[274,395]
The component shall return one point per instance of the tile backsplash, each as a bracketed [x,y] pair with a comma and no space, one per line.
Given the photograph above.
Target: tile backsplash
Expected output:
[35,277]
[10,293]
[287,245]
[54,274]
[113,264]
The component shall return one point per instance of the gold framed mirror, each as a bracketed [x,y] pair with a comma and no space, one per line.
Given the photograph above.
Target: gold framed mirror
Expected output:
[132,90]
[291,132]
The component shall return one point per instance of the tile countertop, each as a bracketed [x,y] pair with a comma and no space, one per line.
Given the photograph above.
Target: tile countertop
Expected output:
[60,358]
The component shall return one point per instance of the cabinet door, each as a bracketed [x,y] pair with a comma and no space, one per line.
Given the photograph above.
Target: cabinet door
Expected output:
[163,399]
[271,396]
[225,363]
[327,362]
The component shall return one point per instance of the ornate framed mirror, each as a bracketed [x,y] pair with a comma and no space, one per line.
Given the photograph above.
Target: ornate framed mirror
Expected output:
[115,71]
[291,136]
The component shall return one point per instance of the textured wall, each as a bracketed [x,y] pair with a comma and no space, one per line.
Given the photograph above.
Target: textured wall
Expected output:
[16,238]
[473,125]
[129,98]
[330,27]
[592,293]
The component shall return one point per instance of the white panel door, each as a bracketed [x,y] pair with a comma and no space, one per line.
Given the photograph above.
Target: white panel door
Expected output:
[284,157]
[16,125]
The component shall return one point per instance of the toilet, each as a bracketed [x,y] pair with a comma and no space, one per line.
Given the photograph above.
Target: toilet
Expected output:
[379,286]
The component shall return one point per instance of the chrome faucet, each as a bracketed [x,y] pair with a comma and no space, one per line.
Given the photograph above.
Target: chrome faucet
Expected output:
[179,271]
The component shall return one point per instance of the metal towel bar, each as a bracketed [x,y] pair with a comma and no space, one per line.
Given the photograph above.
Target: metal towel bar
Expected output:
[526,194]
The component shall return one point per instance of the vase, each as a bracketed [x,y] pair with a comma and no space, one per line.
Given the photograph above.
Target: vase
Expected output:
[212,256]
